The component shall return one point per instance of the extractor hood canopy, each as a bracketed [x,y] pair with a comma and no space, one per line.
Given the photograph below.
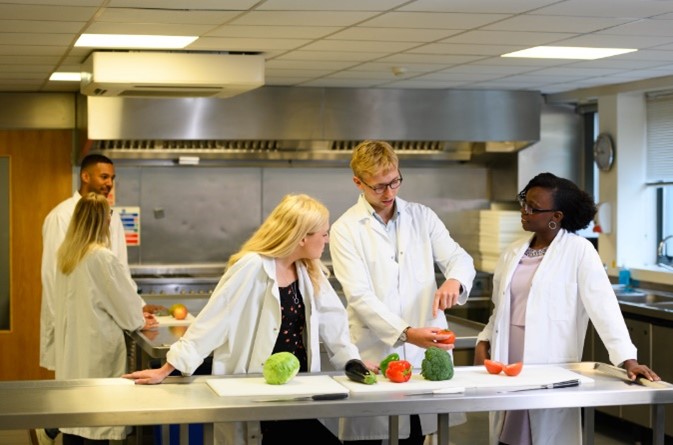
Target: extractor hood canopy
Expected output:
[170,74]
[314,124]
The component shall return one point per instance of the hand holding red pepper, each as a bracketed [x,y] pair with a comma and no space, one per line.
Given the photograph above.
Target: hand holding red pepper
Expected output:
[399,371]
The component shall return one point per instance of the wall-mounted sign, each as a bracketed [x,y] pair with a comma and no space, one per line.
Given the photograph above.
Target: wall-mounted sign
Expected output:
[131,220]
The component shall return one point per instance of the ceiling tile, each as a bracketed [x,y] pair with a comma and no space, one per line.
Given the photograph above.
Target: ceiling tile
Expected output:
[550,23]
[273,32]
[495,6]
[607,8]
[300,18]
[214,5]
[393,34]
[333,55]
[359,45]
[40,26]
[330,65]
[146,28]
[432,20]
[614,41]
[38,12]
[340,5]
[153,16]
[238,44]
[523,38]
[20,39]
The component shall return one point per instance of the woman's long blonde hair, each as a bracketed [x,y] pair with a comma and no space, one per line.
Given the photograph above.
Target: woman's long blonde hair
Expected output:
[89,227]
[295,217]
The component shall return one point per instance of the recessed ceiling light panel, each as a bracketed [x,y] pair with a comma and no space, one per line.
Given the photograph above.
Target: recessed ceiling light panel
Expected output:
[568,52]
[66,77]
[127,41]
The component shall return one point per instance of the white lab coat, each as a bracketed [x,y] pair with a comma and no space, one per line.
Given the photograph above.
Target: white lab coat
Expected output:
[53,233]
[569,287]
[95,304]
[386,295]
[240,325]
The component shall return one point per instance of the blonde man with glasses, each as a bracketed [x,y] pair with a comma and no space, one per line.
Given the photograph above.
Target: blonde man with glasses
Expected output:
[384,250]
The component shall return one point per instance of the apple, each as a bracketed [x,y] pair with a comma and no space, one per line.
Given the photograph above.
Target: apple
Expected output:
[179,311]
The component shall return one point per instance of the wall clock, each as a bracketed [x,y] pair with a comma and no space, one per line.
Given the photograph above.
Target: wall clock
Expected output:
[604,152]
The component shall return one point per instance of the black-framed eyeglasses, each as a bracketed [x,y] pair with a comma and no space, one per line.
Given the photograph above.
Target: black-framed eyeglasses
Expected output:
[380,188]
[527,208]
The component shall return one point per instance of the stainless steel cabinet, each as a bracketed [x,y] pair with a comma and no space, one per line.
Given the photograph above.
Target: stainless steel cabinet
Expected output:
[641,336]
[662,362]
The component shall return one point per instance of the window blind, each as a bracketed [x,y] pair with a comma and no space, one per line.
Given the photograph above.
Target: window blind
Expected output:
[660,139]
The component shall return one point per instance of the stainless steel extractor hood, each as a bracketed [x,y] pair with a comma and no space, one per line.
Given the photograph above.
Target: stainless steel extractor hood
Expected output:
[314,124]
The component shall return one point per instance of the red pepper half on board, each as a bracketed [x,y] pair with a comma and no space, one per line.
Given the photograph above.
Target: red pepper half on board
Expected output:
[399,371]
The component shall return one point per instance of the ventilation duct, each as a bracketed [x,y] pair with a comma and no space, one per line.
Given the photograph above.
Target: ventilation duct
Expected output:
[170,75]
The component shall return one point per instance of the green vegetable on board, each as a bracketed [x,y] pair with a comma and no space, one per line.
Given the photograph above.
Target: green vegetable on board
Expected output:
[437,364]
[280,368]
[384,363]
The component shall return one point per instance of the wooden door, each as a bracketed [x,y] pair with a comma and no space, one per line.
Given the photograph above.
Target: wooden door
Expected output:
[40,170]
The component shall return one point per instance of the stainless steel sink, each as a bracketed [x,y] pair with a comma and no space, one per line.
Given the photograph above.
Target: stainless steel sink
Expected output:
[644,298]
[666,305]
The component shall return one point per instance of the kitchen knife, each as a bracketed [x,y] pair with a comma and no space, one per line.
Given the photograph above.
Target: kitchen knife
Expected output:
[621,374]
[316,397]
[564,384]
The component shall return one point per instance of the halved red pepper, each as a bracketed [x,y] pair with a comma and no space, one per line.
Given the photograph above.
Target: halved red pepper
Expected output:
[399,371]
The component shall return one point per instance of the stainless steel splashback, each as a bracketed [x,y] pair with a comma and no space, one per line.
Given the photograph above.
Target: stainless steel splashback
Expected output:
[281,123]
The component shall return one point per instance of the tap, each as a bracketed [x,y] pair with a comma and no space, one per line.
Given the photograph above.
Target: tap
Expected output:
[662,258]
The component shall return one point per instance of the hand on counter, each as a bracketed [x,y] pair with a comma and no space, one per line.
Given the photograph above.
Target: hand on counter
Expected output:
[150,376]
[150,321]
[635,369]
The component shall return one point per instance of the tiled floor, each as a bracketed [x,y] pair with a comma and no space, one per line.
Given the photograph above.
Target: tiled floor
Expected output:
[474,432]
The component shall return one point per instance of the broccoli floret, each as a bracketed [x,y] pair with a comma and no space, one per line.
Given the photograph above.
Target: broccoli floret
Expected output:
[437,364]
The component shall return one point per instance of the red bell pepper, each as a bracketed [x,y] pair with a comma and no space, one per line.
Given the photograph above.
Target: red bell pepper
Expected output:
[399,371]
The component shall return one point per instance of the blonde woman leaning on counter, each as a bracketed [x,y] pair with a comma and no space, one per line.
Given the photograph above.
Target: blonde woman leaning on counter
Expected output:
[545,289]
[95,294]
[273,297]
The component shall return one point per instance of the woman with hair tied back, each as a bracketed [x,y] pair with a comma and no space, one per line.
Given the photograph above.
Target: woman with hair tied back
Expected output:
[94,294]
[273,297]
[546,288]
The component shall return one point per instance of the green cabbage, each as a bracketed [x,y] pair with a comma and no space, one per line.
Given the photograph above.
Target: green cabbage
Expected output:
[280,368]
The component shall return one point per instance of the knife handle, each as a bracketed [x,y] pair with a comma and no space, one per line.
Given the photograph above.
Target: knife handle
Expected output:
[338,396]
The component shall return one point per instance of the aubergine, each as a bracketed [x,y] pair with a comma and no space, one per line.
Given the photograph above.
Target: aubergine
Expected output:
[358,372]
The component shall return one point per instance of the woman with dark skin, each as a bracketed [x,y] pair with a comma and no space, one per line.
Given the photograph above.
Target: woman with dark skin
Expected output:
[546,288]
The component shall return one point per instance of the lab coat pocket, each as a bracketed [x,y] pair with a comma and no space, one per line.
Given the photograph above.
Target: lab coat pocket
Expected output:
[562,300]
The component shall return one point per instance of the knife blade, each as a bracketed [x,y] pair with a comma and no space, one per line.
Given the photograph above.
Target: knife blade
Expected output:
[621,374]
[564,384]
[315,397]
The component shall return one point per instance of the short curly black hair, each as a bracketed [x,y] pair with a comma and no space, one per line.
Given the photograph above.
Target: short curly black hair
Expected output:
[578,206]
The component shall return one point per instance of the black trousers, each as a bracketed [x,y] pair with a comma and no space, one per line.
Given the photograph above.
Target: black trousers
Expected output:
[70,439]
[416,436]
[282,432]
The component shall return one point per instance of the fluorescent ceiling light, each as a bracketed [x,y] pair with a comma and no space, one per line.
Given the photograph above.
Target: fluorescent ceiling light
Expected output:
[133,41]
[568,52]
[66,77]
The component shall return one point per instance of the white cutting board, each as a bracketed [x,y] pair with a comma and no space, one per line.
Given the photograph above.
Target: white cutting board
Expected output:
[308,385]
[469,377]
[168,320]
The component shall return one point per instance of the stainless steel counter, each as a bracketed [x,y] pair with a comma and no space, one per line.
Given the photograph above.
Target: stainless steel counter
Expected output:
[97,402]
